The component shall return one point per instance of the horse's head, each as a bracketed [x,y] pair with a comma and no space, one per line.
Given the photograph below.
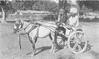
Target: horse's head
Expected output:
[17,26]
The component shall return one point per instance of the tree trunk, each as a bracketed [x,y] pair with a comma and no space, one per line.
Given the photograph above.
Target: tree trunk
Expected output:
[3,19]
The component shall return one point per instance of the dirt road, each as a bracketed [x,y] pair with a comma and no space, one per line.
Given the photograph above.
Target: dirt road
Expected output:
[9,47]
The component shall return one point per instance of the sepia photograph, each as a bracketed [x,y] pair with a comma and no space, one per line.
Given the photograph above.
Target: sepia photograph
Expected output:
[49,29]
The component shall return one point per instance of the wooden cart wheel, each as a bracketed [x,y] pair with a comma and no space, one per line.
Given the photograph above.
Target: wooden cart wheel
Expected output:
[76,42]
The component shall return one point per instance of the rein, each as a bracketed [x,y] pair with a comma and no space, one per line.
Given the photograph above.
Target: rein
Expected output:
[27,26]
[22,26]
[33,27]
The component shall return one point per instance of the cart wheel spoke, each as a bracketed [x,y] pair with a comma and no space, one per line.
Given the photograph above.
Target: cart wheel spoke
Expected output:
[79,47]
[77,44]
[60,42]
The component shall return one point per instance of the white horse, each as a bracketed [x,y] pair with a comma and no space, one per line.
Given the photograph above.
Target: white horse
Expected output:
[35,31]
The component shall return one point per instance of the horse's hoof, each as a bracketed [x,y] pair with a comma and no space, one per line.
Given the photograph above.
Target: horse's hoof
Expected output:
[65,46]
[52,51]
[32,54]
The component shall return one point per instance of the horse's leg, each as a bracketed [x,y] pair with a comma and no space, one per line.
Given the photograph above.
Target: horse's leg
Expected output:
[33,44]
[52,48]
[54,43]
[19,41]
[33,41]
[55,40]
[64,39]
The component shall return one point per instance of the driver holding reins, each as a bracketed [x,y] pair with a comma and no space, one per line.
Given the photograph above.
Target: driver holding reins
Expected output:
[71,17]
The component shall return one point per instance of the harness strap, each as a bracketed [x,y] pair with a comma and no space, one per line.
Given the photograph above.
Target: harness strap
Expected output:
[21,25]
[23,28]
[32,28]
[27,26]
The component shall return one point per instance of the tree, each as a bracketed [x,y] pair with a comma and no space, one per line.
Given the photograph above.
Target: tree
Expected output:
[3,8]
[90,4]
[17,5]
[28,5]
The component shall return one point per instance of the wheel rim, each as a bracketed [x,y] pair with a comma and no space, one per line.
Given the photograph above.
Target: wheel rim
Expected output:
[75,44]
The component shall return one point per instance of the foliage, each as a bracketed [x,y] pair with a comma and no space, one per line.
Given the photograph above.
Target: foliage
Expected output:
[90,4]
[34,5]
[17,5]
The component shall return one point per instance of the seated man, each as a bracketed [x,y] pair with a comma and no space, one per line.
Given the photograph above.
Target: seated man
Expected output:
[73,16]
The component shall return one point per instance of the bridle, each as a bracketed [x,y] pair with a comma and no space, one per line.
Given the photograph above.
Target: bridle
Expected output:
[21,28]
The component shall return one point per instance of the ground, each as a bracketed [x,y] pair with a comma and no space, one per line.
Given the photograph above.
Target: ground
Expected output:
[9,47]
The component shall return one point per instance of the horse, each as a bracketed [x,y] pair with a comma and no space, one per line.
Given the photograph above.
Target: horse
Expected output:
[35,31]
